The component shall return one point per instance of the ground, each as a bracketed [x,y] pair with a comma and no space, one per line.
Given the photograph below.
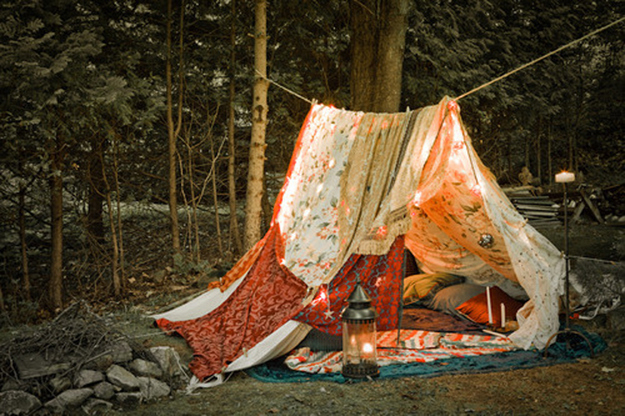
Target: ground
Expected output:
[592,386]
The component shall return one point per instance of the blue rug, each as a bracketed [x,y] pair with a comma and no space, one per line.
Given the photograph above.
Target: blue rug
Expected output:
[276,372]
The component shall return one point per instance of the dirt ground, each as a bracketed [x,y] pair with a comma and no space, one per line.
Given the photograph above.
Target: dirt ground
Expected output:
[590,386]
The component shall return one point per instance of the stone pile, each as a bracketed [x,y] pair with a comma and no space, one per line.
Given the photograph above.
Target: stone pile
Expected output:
[125,382]
[41,375]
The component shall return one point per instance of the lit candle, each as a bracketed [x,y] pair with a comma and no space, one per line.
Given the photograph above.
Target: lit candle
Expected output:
[503,315]
[490,312]
[565,177]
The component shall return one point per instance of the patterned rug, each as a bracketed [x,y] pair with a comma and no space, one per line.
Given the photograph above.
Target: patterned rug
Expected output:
[464,355]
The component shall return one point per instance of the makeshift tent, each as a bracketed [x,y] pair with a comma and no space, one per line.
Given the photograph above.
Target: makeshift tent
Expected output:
[361,188]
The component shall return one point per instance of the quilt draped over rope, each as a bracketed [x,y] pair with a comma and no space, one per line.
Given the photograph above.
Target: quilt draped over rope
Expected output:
[358,181]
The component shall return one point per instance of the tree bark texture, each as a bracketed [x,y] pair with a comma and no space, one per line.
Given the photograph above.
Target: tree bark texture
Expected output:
[172,134]
[378,35]
[55,288]
[95,224]
[117,289]
[259,122]
[235,238]
[23,244]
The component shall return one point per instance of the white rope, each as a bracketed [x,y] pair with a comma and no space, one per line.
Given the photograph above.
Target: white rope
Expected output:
[539,59]
[282,87]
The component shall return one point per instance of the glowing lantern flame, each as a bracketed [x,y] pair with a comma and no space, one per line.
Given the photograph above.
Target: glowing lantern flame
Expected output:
[367,348]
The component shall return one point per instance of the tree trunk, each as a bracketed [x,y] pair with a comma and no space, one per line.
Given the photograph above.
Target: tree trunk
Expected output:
[172,133]
[2,305]
[24,247]
[214,158]
[390,55]
[364,28]
[267,211]
[194,226]
[527,153]
[259,121]
[235,238]
[378,35]
[95,224]
[55,288]
[539,172]
[117,285]
[570,143]
[119,213]
[549,161]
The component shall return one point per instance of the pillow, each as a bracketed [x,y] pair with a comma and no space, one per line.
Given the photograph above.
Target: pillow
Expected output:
[423,287]
[475,309]
[449,298]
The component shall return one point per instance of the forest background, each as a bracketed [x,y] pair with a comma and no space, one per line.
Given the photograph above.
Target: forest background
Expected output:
[104,104]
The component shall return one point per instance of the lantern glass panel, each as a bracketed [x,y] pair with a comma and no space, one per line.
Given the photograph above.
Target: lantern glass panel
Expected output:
[359,348]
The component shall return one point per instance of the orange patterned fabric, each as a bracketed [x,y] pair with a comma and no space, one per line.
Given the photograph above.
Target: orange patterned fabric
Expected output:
[268,297]
[239,269]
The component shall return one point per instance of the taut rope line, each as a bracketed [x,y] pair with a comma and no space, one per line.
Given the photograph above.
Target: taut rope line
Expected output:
[540,59]
[568,45]
[284,88]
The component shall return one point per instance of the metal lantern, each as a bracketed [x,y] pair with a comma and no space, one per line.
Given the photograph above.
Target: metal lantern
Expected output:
[359,336]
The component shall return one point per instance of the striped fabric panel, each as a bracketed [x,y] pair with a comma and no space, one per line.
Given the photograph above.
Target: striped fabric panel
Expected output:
[431,346]
[408,339]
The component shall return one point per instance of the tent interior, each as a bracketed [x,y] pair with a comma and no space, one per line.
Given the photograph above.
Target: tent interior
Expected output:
[400,203]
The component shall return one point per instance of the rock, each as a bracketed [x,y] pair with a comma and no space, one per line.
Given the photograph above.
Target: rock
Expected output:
[123,378]
[96,406]
[168,359]
[621,219]
[87,377]
[15,402]
[146,368]
[100,363]
[104,390]
[129,399]
[60,384]
[152,388]
[68,399]
[121,352]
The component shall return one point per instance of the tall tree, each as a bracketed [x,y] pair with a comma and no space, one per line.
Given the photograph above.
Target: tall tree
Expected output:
[378,38]
[50,48]
[56,150]
[256,169]
[235,238]
[173,129]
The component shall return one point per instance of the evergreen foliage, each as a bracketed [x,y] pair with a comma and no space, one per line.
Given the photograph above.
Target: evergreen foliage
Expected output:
[87,79]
